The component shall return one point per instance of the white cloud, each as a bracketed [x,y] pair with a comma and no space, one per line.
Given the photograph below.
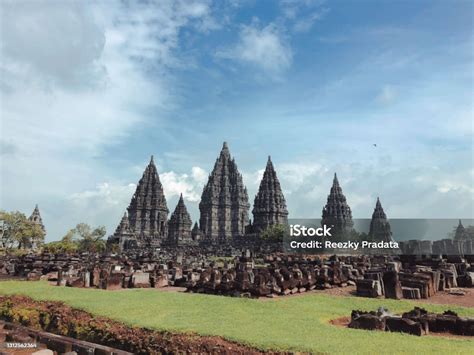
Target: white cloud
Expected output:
[55,43]
[305,23]
[189,185]
[253,178]
[303,13]
[405,192]
[74,79]
[106,193]
[297,175]
[264,47]
[103,205]
[83,70]
[387,95]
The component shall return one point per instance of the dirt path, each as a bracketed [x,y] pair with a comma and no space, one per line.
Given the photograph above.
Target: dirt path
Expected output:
[443,297]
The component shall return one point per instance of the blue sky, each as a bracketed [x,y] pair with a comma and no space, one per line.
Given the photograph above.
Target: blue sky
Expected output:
[89,90]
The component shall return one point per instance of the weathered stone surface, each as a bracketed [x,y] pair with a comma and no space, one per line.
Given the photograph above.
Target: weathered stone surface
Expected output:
[36,218]
[411,293]
[179,225]
[403,325]
[123,237]
[281,274]
[196,233]
[50,344]
[392,286]
[369,288]
[112,282]
[380,229]
[224,203]
[140,280]
[337,212]
[367,321]
[148,212]
[460,233]
[269,206]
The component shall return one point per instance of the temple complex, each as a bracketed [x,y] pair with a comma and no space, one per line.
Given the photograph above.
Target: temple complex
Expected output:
[224,203]
[36,219]
[379,226]
[269,206]
[179,225]
[148,212]
[224,221]
[337,212]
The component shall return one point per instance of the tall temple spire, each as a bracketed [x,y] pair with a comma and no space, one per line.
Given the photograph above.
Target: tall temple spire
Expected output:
[36,218]
[148,212]
[225,150]
[460,232]
[337,212]
[123,225]
[380,229]
[123,236]
[269,206]
[179,225]
[335,185]
[224,202]
[196,232]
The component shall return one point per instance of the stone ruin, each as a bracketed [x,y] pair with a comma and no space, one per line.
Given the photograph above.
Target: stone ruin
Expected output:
[414,278]
[247,275]
[46,343]
[373,276]
[416,322]
[278,275]
[105,272]
[438,247]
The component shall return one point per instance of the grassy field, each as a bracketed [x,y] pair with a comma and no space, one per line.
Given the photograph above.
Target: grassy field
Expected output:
[295,323]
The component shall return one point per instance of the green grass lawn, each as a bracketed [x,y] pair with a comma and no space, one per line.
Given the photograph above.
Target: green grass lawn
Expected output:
[295,323]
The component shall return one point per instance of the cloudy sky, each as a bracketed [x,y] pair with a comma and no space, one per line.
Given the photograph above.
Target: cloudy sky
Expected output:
[89,90]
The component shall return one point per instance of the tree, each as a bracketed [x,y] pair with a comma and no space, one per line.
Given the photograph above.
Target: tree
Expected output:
[64,246]
[18,231]
[36,235]
[88,239]
[274,233]
[82,238]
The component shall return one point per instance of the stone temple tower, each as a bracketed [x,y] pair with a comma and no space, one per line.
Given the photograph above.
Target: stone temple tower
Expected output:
[36,219]
[224,202]
[123,236]
[147,212]
[179,225]
[460,232]
[337,212]
[269,206]
[379,226]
